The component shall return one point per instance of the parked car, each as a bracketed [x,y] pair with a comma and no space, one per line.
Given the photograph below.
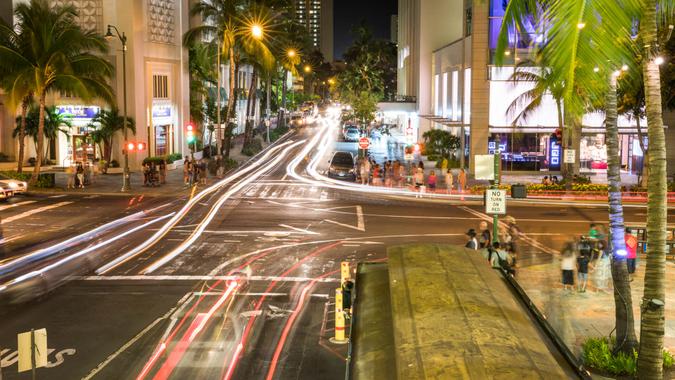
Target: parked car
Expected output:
[342,166]
[352,134]
[10,187]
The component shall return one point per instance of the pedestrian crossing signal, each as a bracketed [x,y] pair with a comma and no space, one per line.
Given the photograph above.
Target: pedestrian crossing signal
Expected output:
[190,133]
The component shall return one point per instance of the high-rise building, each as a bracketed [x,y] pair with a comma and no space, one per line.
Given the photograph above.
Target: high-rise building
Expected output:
[317,17]
[393,29]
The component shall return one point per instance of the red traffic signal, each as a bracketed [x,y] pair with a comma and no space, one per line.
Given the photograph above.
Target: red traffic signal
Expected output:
[132,146]
[140,146]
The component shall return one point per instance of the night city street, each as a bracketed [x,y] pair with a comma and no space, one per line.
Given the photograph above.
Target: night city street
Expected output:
[324,189]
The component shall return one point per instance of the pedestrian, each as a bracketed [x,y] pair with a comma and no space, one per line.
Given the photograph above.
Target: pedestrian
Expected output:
[472,243]
[162,171]
[485,237]
[377,180]
[583,265]
[80,175]
[499,258]
[70,177]
[146,173]
[396,171]
[419,178]
[402,174]
[186,170]
[202,171]
[602,271]
[631,251]
[449,179]
[461,178]
[364,172]
[567,263]
[431,181]
[94,172]
[421,165]
[593,232]
[545,181]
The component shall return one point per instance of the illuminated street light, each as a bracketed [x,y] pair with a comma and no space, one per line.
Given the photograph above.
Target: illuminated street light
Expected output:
[596,69]
[291,53]
[624,68]
[256,31]
[581,25]
[307,68]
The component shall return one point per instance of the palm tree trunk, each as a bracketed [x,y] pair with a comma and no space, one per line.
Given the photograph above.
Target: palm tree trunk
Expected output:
[231,99]
[250,109]
[625,325]
[567,169]
[22,135]
[644,175]
[40,141]
[652,324]
[282,121]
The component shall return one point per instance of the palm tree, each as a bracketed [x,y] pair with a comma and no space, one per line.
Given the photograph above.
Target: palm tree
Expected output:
[53,124]
[652,324]
[582,38]
[8,75]
[54,54]
[106,124]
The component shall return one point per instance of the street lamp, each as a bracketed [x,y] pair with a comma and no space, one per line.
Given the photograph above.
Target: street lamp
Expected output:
[257,31]
[308,69]
[291,53]
[126,184]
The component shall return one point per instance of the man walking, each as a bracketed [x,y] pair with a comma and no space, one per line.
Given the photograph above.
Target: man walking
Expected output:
[631,251]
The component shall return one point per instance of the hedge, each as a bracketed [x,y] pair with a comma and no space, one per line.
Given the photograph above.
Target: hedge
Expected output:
[45,180]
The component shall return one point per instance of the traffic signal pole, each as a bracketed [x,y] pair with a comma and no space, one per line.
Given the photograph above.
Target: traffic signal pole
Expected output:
[495,185]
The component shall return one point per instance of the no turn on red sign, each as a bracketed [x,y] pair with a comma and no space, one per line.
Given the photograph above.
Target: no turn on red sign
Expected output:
[364,143]
[495,202]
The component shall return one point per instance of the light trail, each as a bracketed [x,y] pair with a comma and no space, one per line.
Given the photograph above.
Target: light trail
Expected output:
[67,259]
[182,212]
[43,253]
[214,210]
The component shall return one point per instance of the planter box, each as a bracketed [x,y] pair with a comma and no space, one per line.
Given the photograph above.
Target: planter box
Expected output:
[171,166]
[115,170]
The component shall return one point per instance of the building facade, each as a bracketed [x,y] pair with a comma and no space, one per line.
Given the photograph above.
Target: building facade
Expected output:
[317,17]
[446,59]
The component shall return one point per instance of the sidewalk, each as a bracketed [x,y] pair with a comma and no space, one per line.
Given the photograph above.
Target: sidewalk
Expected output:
[578,316]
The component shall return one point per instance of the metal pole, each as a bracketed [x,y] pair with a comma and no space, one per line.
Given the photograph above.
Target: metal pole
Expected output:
[268,111]
[495,185]
[126,185]
[218,130]
[32,352]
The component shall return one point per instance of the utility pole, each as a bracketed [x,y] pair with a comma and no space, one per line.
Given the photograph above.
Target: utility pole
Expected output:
[126,184]
[218,129]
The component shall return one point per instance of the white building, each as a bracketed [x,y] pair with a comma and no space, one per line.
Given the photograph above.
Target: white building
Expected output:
[446,60]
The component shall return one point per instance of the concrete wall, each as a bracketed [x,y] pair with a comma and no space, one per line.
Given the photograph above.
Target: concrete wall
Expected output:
[480,87]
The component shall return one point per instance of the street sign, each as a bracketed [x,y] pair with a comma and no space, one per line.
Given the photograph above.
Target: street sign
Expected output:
[495,202]
[408,156]
[485,167]
[364,143]
[569,156]
[32,348]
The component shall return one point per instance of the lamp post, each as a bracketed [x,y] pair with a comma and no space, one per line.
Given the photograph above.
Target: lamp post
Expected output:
[126,184]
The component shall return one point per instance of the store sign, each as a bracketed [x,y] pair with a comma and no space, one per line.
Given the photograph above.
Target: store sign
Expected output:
[554,155]
[161,111]
[495,202]
[492,146]
[79,112]
[569,156]
[485,167]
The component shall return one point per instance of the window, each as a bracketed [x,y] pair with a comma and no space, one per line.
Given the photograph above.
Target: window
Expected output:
[160,86]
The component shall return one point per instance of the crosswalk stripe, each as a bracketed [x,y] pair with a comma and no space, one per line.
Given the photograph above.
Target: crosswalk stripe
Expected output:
[5,207]
[33,212]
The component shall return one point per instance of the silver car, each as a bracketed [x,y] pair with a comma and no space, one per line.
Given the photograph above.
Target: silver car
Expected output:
[10,187]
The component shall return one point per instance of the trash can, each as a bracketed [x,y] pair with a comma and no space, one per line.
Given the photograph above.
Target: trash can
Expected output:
[518,191]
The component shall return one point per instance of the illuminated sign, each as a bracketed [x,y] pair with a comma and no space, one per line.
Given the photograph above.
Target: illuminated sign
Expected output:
[161,111]
[79,112]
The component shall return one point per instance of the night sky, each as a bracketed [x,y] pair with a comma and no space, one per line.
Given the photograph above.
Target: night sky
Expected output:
[349,13]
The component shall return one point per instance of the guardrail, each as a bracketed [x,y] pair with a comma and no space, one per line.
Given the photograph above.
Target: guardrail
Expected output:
[540,318]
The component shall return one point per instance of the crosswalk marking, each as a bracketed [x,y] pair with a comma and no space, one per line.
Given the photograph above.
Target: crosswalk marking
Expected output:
[269,190]
[33,212]
[5,207]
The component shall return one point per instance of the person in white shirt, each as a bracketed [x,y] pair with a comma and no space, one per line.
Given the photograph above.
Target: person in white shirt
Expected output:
[567,264]
[472,243]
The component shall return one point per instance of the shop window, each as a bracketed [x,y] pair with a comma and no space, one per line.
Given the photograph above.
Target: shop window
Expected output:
[160,87]
[593,152]
[161,139]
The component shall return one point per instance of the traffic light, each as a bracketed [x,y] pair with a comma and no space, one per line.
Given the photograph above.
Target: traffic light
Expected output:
[190,133]
[140,146]
[131,146]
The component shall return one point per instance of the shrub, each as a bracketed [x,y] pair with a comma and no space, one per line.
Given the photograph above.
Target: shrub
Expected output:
[157,160]
[253,148]
[597,354]
[45,180]
[276,133]
[173,157]
[4,157]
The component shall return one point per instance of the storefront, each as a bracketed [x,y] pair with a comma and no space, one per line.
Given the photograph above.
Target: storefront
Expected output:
[78,145]
[162,128]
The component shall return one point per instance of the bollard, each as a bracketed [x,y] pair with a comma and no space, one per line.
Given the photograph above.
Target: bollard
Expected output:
[339,319]
[344,272]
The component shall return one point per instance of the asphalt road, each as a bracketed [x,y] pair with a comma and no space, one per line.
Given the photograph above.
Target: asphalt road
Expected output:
[156,297]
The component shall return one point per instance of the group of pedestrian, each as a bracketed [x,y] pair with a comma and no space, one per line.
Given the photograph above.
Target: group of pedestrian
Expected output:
[154,174]
[553,180]
[591,255]
[500,252]
[194,171]
[80,174]
[394,173]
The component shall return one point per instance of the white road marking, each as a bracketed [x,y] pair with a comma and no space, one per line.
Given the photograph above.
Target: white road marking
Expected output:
[284,177]
[132,341]
[58,196]
[5,207]
[202,278]
[33,212]
[305,231]
[360,223]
